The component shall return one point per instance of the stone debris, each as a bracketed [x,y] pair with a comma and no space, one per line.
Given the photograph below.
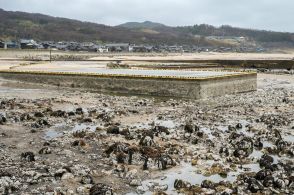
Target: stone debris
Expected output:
[88,143]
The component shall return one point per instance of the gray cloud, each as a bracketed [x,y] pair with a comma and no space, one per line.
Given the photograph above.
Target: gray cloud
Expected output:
[258,14]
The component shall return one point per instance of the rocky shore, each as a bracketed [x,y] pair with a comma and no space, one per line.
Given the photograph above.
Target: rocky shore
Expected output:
[64,141]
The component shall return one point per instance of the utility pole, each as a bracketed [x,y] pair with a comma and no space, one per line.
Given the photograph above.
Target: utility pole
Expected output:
[50,54]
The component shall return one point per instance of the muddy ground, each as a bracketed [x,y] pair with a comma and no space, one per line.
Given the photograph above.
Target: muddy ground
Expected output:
[68,141]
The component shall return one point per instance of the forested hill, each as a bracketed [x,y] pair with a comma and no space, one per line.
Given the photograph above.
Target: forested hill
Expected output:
[17,25]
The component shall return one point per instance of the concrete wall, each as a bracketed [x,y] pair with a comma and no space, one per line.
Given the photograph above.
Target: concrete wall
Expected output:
[228,85]
[184,88]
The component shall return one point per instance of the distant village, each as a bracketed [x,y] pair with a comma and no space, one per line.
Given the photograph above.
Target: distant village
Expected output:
[119,47]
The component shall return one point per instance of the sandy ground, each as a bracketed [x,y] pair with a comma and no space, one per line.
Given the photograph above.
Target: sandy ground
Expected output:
[28,54]
[208,56]
[61,66]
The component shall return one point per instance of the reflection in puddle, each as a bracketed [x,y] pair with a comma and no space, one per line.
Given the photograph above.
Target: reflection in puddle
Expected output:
[256,154]
[58,130]
[84,127]
[51,134]
[267,144]
[169,123]
[289,138]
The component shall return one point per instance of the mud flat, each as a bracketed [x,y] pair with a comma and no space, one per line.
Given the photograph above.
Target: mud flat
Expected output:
[57,140]
[165,83]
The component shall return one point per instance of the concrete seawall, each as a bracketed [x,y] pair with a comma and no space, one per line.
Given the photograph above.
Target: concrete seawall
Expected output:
[192,88]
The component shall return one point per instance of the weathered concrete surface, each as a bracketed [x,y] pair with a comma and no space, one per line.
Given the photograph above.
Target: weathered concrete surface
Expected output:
[168,87]
[228,85]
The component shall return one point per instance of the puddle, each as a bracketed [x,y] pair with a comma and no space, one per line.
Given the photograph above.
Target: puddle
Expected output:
[243,130]
[253,167]
[289,138]
[58,130]
[81,127]
[208,132]
[256,154]
[267,144]
[169,123]
[188,173]
[51,134]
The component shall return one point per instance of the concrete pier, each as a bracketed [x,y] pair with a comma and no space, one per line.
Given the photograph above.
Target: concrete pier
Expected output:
[168,83]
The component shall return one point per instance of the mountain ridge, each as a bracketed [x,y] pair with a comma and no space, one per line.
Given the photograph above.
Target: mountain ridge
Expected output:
[16,25]
[145,24]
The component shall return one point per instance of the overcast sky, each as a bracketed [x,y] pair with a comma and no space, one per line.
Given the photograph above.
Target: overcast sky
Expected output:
[274,15]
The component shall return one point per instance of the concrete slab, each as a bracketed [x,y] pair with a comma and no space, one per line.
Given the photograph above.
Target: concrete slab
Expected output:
[169,83]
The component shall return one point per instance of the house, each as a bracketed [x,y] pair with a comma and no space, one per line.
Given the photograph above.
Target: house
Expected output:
[2,44]
[48,44]
[61,45]
[28,44]
[141,49]
[118,47]
[88,46]
[175,49]
[101,49]
[12,45]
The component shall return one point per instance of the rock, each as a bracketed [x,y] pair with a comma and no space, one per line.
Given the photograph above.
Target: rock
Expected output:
[268,181]
[101,189]
[258,144]
[266,160]
[160,129]
[131,174]
[70,192]
[231,128]
[59,190]
[189,128]
[7,186]
[45,150]
[261,175]
[59,113]
[194,162]
[71,113]
[59,173]
[67,153]
[159,193]
[79,111]
[207,184]
[243,148]
[254,186]
[141,190]
[87,179]
[161,187]
[67,176]
[180,184]
[39,114]
[82,190]
[239,126]
[279,183]
[135,182]
[40,123]
[80,170]
[28,156]
[113,130]
[26,117]
[3,119]
[87,120]
[281,145]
